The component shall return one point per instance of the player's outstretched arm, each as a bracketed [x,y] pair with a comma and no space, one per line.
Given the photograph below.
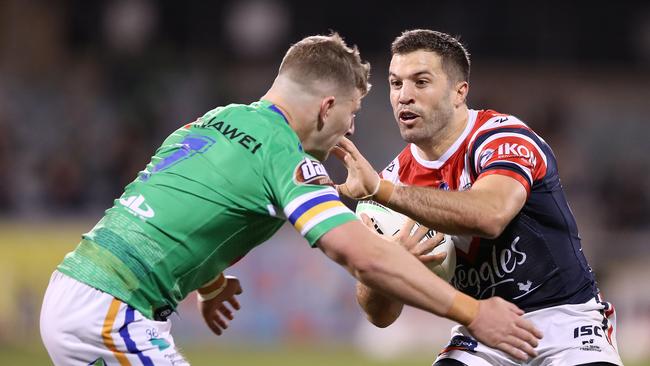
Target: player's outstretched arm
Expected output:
[484,210]
[212,299]
[391,269]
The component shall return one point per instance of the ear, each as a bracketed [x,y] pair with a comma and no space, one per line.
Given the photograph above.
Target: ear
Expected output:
[462,88]
[326,106]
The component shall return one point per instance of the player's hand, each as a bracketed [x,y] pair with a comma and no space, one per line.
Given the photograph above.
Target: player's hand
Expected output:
[416,243]
[215,312]
[362,181]
[499,324]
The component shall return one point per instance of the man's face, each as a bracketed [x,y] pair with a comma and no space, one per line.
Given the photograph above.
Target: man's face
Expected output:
[421,95]
[339,122]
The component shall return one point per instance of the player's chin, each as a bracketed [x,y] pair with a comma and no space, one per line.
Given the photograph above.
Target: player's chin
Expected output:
[409,135]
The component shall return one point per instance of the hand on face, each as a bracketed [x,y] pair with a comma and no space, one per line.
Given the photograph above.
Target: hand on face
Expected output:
[362,181]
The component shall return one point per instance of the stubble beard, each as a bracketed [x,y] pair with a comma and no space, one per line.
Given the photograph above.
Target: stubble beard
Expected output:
[430,126]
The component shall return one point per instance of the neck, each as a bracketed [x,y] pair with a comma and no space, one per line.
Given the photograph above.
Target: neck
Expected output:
[297,105]
[434,148]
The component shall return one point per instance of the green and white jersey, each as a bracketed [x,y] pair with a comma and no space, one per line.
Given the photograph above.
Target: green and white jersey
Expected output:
[214,190]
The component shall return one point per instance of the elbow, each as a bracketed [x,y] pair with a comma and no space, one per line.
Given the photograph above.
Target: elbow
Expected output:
[381,321]
[491,226]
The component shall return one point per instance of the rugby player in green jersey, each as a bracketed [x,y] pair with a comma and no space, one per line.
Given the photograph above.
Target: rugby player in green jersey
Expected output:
[220,186]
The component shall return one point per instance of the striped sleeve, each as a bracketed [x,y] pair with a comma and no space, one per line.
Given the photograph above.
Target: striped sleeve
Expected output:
[316,212]
[515,152]
[300,186]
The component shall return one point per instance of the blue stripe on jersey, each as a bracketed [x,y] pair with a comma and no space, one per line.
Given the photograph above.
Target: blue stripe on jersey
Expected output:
[509,166]
[309,204]
[523,131]
[130,344]
[277,110]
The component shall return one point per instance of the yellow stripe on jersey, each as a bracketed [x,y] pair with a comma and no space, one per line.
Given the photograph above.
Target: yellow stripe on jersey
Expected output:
[314,211]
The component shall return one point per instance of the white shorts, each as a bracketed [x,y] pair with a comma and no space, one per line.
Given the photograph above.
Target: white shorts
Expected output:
[81,325]
[573,335]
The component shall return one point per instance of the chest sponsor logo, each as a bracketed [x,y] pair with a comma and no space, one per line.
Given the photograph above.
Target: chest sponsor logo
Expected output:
[311,171]
[482,280]
[137,206]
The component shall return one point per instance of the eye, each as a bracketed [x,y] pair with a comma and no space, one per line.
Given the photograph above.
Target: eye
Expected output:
[422,82]
[395,84]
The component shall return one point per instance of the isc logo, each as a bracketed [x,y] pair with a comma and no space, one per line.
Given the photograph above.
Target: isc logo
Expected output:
[587,330]
[311,172]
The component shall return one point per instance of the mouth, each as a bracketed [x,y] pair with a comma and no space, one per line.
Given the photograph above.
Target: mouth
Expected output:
[407,117]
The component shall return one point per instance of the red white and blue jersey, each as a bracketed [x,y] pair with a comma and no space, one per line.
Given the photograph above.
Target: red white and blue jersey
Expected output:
[537,261]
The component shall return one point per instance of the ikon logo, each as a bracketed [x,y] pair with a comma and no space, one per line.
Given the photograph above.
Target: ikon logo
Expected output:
[137,206]
[516,150]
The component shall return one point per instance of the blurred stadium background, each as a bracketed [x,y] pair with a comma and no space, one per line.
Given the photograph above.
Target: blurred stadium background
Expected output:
[88,89]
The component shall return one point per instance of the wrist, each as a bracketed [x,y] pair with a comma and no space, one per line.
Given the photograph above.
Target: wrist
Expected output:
[384,192]
[463,309]
[212,289]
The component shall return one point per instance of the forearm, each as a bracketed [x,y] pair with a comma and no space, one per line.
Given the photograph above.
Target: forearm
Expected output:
[389,268]
[469,212]
[450,212]
[380,310]
[416,286]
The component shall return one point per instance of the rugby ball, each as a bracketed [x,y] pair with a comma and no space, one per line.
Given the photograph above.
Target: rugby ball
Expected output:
[389,222]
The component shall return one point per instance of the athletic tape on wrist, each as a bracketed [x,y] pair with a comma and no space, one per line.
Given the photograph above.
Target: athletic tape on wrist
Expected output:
[384,192]
[463,309]
[202,295]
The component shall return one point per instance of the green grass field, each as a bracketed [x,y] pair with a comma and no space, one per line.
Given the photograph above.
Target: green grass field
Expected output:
[208,356]
[288,356]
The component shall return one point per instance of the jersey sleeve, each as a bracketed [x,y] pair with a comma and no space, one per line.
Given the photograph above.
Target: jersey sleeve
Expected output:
[513,150]
[302,189]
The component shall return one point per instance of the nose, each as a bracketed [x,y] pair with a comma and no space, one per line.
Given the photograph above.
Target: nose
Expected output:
[406,93]
[351,129]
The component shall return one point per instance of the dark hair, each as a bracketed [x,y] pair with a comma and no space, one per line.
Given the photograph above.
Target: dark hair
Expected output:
[455,58]
[327,58]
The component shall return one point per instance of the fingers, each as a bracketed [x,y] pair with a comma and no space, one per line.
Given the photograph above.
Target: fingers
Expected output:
[348,146]
[526,336]
[340,154]
[234,303]
[529,327]
[215,318]
[433,258]
[512,351]
[426,246]
[215,323]
[367,221]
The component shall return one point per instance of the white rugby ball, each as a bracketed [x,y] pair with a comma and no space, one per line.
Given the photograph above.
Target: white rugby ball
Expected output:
[389,222]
